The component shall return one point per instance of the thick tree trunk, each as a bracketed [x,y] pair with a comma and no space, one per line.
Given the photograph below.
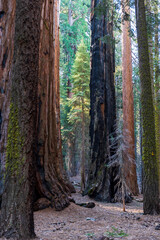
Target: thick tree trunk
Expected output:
[148,8]
[128,104]
[17,211]
[7,9]
[52,182]
[157,86]
[101,179]
[48,124]
[150,187]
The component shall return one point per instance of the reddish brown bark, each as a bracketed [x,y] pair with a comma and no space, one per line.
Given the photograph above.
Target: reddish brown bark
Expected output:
[51,177]
[17,200]
[128,104]
[7,9]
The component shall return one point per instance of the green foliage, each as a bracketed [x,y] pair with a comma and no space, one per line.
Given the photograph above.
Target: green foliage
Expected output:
[90,235]
[116,233]
[70,38]
[79,103]
[80,79]
[71,35]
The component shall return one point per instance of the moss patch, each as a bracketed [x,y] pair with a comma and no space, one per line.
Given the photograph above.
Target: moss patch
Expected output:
[14,142]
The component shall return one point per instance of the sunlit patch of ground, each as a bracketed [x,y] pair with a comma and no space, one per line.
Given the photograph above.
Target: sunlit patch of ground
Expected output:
[79,223]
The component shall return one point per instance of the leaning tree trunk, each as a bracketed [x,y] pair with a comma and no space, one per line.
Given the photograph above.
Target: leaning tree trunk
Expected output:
[52,182]
[128,104]
[17,212]
[101,179]
[150,182]
[7,13]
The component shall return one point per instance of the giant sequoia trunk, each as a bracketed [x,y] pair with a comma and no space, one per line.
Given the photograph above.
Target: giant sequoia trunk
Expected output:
[157,86]
[101,179]
[52,182]
[17,199]
[150,181]
[7,13]
[128,104]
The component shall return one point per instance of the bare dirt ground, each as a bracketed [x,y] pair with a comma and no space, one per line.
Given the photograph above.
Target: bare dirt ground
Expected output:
[105,219]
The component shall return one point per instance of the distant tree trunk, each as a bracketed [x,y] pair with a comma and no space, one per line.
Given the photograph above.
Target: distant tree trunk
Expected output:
[101,178]
[17,211]
[142,165]
[7,9]
[71,139]
[71,161]
[83,150]
[52,181]
[128,104]
[150,187]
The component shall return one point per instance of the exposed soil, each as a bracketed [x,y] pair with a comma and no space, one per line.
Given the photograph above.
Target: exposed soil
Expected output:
[105,219]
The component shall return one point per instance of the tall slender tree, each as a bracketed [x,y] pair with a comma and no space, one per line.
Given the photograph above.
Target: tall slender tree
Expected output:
[79,114]
[150,188]
[128,103]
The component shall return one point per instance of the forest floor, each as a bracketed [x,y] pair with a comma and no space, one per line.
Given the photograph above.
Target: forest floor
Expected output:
[105,221]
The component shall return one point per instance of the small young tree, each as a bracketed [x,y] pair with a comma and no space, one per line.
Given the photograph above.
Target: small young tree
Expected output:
[79,103]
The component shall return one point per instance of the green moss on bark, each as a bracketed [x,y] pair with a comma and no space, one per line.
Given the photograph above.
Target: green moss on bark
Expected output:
[150,183]
[14,142]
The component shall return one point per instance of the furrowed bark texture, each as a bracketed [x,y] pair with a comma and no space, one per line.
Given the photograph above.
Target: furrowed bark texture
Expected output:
[52,182]
[157,86]
[129,165]
[101,179]
[7,9]
[150,188]
[17,212]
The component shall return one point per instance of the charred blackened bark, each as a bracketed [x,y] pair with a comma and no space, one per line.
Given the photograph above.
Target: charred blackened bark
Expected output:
[101,179]
[17,200]
[52,182]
